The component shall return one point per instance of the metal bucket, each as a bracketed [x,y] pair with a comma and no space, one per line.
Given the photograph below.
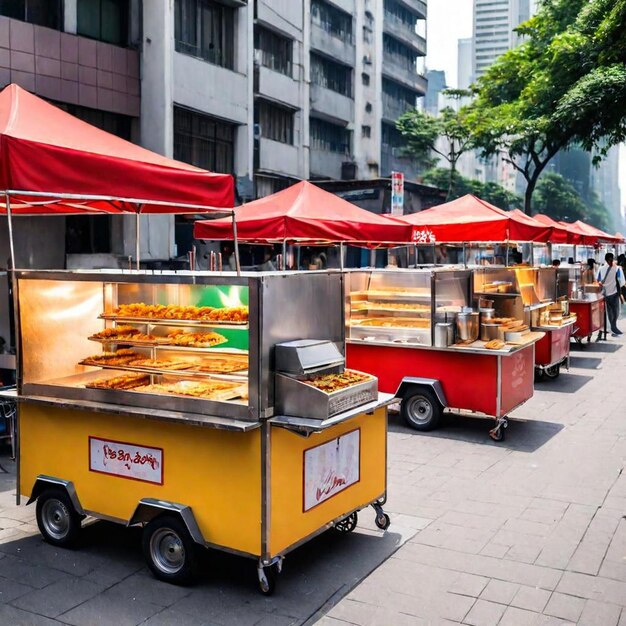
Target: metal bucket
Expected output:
[444,334]
[489,331]
[467,326]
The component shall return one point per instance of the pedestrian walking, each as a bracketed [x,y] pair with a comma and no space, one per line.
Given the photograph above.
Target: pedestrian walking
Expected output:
[611,278]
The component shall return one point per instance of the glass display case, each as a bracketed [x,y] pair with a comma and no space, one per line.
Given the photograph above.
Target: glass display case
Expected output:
[402,306]
[181,342]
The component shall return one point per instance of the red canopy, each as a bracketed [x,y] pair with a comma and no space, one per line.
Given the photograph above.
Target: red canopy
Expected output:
[47,151]
[471,219]
[304,212]
[590,231]
[560,231]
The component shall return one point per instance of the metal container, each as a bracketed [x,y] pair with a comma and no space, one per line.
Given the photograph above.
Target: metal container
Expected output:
[444,334]
[565,307]
[488,331]
[307,356]
[467,326]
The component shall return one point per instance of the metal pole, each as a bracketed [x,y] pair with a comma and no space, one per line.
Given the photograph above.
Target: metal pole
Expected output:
[434,255]
[341,255]
[415,251]
[236,246]
[10,227]
[506,255]
[137,236]
[532,254]
[464,256]
[284,255]
[297,256]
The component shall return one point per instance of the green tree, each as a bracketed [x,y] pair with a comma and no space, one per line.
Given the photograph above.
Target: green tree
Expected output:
[556,196]
[423,131]
[565,84]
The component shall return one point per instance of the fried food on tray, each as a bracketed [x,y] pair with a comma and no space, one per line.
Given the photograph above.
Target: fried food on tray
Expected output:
[500,320]
[127,381]
[333,382]
[121,334]
[173,312]
[195,340]
[221,366]
[120,357]
[396,322]
[392,306]
[494,344]
[162,364]
[109,333]
[214,390]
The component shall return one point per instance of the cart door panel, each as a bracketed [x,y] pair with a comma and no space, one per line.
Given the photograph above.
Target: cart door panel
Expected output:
[300,506]
[215,472]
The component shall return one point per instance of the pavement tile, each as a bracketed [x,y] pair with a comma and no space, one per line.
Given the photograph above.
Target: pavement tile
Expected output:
[600,614]
[518,617]
[484,613]
[168,617]
[367,615]
[102,609]
[12,616]
[26,573]
[468,585]
[499,591]
[9,590]
[592,587]
[148,589]
[531,598]
[58,597]
[564,606]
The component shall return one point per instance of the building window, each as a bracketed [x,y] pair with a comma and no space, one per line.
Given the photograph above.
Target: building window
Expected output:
[366,131]
[47,13]
[365,78]
[331,19]
[104,20]
[395,12]
[206,29]
[276,122]
[267,185]
[329,137]
[331,75]
[273,51]
[399,54]
[204,141]
[397,99]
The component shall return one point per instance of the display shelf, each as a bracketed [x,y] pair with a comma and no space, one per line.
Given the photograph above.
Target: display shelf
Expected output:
[168,322]
[168,346]
[183,373]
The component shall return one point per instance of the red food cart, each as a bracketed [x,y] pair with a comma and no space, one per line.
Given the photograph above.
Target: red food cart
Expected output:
[391,317]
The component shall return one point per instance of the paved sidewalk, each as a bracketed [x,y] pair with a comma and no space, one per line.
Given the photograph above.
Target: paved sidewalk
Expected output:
[528,531]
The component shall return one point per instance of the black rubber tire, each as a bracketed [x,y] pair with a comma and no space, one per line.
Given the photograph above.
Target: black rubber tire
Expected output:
[347,524]
[54,507]
[552,372]
[382,521]
[538,374]
[498,435]
[164,530]
[421,400]
[271,573]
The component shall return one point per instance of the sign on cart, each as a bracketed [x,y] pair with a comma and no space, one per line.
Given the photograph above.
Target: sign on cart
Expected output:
[126,460]
[331,467]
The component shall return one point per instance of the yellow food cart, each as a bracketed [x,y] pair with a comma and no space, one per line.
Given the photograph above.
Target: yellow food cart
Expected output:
[213,410]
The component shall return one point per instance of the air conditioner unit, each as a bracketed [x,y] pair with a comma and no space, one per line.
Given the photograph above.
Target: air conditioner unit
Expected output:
[367,59]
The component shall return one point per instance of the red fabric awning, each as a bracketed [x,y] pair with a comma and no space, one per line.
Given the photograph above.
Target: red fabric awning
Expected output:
[587,230]
[305,213]
[45,150]
[469,219]
[560,232]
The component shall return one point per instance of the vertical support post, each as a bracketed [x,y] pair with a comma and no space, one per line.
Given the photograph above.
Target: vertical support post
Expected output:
[236,245]
[434,255]
[464,256]
[532,254]
[341,262]
[137,236]
[298,256]
[7,200]
[575,252]
[415,251]
[506,254]
[284,263]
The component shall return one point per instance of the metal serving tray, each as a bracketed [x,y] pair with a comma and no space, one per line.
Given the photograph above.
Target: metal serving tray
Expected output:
[156,321]
[307,356]
[295,397]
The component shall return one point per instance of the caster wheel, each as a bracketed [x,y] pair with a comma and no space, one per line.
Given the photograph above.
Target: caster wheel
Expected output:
[382,521]
[538,374]
[382,501]
[58,521]
[267,579]
[553,372]
[421,410]
[347,525]
[169,550]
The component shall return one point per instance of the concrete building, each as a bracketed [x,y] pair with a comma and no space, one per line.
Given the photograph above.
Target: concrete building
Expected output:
[271,91]
[433,100]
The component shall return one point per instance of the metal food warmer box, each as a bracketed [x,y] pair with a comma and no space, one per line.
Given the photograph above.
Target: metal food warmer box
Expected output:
[530,295]
[585,301]
[394,319]
[152,399]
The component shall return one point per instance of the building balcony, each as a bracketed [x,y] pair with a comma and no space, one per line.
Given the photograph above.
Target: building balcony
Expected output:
[391,160]
[333,47]
[326,164]
[393,109]
[404,75]
[68,68]
[404,33]
[279,158]
[276,86]
[347,6]
[418,7]
[331,105]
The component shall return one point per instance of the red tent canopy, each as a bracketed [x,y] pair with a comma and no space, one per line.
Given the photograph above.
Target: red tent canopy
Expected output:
[560,231]
[47,151]
[591,231]
[471,219]
[304,212]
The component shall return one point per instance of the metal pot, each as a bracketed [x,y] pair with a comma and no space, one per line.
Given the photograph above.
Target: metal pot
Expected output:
[488,331]
[467,326]
[444,334]
[486,314]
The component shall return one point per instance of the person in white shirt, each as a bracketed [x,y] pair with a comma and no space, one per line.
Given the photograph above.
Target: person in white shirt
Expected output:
[612,280]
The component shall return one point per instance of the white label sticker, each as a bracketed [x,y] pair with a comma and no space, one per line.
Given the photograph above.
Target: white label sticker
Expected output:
[126,460]
[331,467]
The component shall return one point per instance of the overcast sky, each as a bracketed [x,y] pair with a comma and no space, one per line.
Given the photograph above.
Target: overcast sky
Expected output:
[448,21]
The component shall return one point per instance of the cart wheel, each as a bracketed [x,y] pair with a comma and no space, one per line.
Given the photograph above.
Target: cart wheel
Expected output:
[57,519]
[538,374]
[553,372]
[267,579]
[169,550]
[347,524]
[497,434]
[421,410]
[382,501]
[382,521]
